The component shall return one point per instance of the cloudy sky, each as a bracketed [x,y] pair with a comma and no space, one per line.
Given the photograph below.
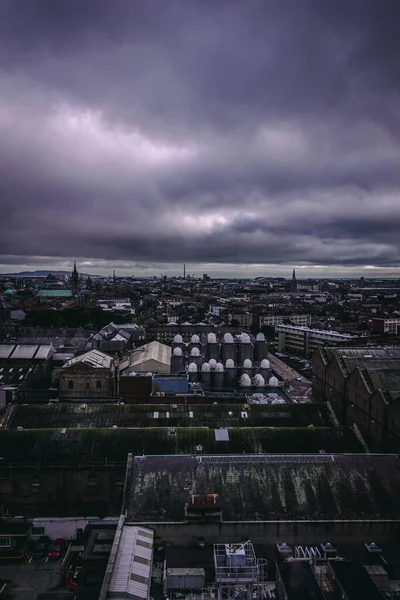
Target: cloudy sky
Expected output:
[241,137]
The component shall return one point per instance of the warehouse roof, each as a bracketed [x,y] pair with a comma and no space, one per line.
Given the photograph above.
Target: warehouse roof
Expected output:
[72,446]
[93,358]
[164,415]
[271,487]
[131,574]
[26,351]
[152,351]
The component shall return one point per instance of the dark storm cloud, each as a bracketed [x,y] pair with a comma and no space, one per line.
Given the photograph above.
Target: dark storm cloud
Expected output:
[236,132]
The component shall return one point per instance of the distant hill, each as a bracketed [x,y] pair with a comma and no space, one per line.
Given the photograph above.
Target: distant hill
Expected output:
[44,274]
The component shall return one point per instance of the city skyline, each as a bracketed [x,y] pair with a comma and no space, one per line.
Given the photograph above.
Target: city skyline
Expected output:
[237,137]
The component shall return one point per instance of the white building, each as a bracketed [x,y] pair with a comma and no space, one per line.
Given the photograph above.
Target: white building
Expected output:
[303,340]
[272,320]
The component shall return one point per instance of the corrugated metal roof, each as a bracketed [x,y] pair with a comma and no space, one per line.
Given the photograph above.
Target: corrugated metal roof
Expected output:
[93,358]
[131,575]
[153,351]
[6,349]
[25,351]
[45,351]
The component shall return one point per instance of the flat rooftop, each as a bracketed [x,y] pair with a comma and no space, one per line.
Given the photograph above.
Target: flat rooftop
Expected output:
[31,416]
[269,487]
[73,446]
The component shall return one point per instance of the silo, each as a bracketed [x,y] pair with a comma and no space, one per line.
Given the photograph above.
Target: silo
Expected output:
[192,370]
[213,363]
[195,356]
[245,381]
[212,347]
[245,348]
[230,374]
[219,376]
[247,367]
[258,381]
[206,375]
[228,348]
[260,347]
[273,382]
[265,368]
[177,360]
[195,343]
[178,342]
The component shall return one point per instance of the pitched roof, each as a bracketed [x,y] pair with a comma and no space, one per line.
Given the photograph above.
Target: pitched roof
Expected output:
[93,358]
[268,487]
[168,415]
[152,351]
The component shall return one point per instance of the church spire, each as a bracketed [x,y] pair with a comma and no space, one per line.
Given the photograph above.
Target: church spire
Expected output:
[75,279]
[294,275]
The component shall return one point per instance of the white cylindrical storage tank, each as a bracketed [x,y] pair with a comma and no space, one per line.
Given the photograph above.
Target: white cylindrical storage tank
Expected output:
[247,366]
[230,374]
[213,363]
[245,348]
[212,347]
[192,370]
[258,381]
[260,347]
[273,382]
[206,375]
[265,368]
[245,380]
[228,348]
[195,356]
[219,376]
[177,360]
[194,343]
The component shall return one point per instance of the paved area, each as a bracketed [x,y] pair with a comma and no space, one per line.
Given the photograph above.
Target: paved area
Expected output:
[28,579]
[298,391]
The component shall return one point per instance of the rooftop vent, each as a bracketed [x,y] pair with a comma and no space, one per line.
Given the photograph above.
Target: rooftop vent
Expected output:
[199,448]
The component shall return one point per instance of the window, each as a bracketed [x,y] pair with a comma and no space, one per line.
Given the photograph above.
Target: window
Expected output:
[5,542]
[98,385]
[35,482]
[92,483]
[37,531]
[70,385]
[87,385]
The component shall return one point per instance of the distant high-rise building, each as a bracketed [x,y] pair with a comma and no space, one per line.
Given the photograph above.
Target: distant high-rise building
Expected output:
[75,280]
[293,282]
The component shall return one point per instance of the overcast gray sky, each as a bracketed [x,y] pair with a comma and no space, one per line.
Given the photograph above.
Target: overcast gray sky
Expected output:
[240,137]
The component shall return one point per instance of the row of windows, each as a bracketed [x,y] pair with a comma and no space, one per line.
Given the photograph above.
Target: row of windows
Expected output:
[71,385]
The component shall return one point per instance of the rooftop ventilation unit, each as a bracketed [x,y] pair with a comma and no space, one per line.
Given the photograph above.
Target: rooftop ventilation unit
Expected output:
[199,448]
[372,547]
